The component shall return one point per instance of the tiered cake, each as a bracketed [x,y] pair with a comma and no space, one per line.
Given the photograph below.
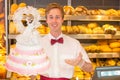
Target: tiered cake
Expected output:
[28,57]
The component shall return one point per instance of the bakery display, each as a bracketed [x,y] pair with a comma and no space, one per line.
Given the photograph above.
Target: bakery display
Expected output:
[90,29]
[15,6]
[43,29]
[3,50]
[109,29]
[104,46]
[68,10]
[13,28]
[81,10]
[41,11]
[27,57]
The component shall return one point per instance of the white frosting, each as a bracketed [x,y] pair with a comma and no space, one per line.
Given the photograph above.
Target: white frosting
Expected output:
[18,17]
[28,39]
[29,36]
[27,48]
[23,66]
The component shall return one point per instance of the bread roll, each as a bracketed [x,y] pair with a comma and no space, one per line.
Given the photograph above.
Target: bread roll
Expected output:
[98,30]
[115,45]
[64,29]
[13,8]
[92,25]
[41,11]
[22,5]
[105,48]
[68,10]
[76,29]
[116,49]
[81,10]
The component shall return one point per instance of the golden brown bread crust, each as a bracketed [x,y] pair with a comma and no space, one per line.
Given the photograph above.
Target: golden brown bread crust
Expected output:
[68,10]
[81,10]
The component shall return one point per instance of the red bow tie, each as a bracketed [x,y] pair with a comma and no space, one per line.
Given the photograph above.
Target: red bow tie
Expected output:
[53,41]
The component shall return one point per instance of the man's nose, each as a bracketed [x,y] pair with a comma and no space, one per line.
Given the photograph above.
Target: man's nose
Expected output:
[54,19]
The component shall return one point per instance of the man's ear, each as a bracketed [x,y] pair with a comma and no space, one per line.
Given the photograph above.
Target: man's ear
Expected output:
[62,20]
[46,20]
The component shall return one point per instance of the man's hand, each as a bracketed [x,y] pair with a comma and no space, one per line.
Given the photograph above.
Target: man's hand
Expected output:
[80,62]
[74,62]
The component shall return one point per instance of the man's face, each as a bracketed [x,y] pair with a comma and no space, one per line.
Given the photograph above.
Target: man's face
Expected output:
[54,20]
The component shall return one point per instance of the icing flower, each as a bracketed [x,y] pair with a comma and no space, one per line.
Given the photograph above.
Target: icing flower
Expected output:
[28,63]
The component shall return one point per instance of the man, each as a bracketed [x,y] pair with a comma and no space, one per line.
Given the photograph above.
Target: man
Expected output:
[63,51]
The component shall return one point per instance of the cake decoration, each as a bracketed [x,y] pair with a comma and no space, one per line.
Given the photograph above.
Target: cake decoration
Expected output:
[26,13]
[28,57]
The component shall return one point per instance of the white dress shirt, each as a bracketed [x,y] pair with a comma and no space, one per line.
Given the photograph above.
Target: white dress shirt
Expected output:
[57,54]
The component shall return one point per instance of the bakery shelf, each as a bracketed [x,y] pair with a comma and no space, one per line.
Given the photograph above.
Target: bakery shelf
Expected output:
[104,55]
[95,36]
[85,18]
[83,36]
[92,18]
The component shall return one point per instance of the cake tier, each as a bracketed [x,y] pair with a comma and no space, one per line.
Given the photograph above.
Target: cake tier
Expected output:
[27,70]
[17,51]
[31,62]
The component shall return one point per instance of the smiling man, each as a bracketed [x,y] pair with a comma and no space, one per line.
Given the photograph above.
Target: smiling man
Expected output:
[63,51]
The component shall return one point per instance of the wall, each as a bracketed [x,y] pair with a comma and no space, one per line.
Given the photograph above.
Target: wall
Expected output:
[97,4]
[91,4]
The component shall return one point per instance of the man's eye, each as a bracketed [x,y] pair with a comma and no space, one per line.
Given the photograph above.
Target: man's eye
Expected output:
[51,17]
[57,17]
